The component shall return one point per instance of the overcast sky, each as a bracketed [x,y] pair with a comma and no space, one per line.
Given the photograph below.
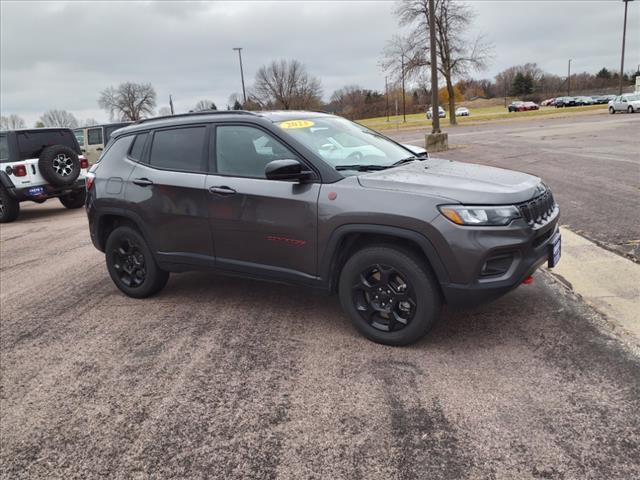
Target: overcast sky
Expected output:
[62,54]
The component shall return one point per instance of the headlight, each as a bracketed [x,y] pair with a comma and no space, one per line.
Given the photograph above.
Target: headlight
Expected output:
[463,215]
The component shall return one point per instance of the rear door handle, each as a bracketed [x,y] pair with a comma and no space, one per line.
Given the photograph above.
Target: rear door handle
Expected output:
[143,182]
[222,190]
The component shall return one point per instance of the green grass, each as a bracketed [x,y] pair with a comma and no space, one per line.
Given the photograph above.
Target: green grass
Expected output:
[477,115]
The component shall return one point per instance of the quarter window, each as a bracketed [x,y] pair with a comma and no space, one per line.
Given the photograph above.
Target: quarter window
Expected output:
[179,149]
[244,151]
[94,136]
[138,146]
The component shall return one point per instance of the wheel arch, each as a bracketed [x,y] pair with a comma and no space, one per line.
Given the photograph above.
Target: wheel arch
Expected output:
[108,221]
[347,239]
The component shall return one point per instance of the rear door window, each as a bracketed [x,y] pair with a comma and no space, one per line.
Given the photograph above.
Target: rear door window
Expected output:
[79,133]
[181,149]
[32,142]
[94,136]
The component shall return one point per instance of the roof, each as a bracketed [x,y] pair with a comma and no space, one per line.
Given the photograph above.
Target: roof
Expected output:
[231,115]
[43,129]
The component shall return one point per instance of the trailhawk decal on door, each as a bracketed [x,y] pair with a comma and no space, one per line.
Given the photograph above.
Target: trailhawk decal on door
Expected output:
[293,242]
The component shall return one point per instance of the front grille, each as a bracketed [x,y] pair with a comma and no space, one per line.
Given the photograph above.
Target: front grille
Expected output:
[538,209]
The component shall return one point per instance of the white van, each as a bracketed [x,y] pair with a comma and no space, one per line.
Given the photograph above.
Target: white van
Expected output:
[93,139]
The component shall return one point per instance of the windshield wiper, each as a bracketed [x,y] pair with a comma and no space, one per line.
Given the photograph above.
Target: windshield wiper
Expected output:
[362,168]
[405,160]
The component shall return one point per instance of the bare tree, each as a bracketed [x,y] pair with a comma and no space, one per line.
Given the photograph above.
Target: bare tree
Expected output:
[59,118]
[287,85]
[204,106]
[129,101]
[457,56]
[12,122]
[89,122]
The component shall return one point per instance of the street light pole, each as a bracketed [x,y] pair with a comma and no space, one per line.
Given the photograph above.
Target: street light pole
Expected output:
[435,117]
[404,106]
[624,35]
[569,80]
[244,94]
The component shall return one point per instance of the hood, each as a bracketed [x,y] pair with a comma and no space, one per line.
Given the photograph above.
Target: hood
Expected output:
[457,181]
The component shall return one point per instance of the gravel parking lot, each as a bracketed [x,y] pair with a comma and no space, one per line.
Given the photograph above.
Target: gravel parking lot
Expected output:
[226,378]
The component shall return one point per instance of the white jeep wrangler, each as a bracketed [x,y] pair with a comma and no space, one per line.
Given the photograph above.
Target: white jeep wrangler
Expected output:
[38,164]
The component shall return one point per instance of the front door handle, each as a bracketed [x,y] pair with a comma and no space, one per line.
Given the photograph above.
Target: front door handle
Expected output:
[143,182]
[222,190]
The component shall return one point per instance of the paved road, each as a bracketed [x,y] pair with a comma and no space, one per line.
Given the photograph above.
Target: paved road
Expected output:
[591,162]
[227,378]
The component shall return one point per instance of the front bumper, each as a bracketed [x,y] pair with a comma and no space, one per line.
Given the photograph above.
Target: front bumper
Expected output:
[519,248]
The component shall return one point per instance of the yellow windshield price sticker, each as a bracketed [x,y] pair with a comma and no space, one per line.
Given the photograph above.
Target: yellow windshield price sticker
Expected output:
[297,124]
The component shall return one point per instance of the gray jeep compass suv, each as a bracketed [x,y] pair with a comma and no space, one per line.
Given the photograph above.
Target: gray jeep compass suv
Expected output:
[314,199]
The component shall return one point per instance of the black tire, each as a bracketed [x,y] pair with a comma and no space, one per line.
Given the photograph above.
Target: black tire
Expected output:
[127,254]
[412,296]
[59,165]
[612,110]
[630,109]
[74,199]
[9,207]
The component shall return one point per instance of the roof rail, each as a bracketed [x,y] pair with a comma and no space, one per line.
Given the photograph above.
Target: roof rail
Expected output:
[193,114]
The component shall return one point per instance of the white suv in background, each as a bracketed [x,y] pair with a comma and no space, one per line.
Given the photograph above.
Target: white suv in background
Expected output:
[38,164]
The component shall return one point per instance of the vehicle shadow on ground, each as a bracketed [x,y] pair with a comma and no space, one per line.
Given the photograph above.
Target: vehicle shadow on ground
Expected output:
[483,325]
[40,212]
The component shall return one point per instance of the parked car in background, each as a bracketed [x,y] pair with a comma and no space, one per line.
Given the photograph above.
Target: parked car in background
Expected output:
[38,164]
[254,194]
[625,103]
[462,112]
[516,106]
[581,101]
[93,139]
[565,102]
[530,106]
[602,99]
[548,102]
[441,112]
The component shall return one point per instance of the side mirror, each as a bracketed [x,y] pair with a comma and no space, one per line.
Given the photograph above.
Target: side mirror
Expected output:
[286,170]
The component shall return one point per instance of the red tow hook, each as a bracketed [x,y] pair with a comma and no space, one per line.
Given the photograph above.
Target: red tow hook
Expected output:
[528,280]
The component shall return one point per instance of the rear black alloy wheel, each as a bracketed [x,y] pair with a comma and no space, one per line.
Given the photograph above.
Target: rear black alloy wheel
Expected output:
[390,294]
[129,263]
[383,298]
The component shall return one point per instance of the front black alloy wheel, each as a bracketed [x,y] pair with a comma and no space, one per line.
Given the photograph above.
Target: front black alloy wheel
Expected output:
[383,298]
[131,264]
[390,294]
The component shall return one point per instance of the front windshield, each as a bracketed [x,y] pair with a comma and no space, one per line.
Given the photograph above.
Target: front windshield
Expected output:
[342,143]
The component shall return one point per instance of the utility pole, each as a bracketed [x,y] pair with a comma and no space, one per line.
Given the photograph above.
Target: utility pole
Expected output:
[569,80]
[386,94]
[404,105]
[244,94]
[171,103]
[624,35]
[435,117]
